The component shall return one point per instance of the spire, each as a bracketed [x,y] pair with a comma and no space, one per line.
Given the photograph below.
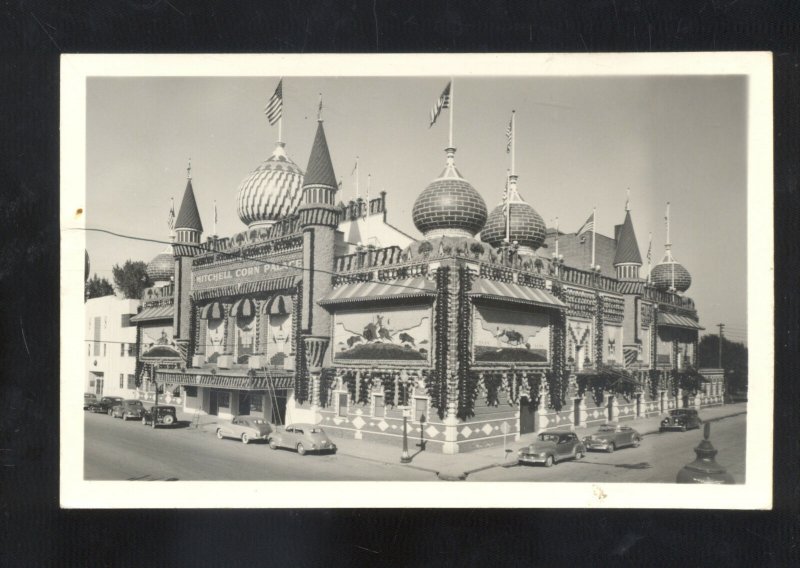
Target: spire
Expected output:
[320,168]
[188,215]
[627,246]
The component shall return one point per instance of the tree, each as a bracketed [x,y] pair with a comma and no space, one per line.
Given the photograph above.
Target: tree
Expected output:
[86,267]
[734,360]
[131,278]
[98,287]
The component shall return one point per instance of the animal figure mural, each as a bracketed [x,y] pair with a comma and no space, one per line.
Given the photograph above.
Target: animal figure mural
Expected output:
[502,335]
[392,334]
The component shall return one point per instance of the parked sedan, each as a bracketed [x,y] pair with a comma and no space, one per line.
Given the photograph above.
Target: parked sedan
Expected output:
[88,398]
[301,437]
[681,419]
[244,428]
[158,415]
[611,436]
[105,404]
[128,409]
[552,447]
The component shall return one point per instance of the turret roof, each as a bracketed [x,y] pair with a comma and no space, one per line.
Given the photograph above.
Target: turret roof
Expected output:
[188,215]
[627,246]
[320,168]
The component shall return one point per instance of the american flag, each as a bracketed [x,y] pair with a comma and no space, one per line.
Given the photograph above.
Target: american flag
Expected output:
[650,249]
[509,133]
[587,226]
[274,108]
[171,217]
[442,103]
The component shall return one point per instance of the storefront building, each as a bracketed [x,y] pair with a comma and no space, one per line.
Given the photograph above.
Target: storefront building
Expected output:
[111,347]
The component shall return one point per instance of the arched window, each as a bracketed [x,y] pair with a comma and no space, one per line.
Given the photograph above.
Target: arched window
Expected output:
[279,330]
[214,343]
[244,311]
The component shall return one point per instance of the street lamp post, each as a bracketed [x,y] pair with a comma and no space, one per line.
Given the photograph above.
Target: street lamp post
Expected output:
[404,457]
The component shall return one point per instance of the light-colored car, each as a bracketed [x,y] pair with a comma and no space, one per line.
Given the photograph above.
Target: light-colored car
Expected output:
[128,409]
[244,428]
[301,437]
[552,447]
[611,436]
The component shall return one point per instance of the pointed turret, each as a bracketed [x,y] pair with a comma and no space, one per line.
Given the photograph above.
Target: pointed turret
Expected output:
[188,226]
[627,259]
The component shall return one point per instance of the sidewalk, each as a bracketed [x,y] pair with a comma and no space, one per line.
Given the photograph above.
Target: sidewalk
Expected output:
[459,466]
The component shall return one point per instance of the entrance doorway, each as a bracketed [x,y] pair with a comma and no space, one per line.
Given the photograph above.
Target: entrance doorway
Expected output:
[686,401]
[576,410]
[244,403]
[99,385]
[213,403]
[527,415]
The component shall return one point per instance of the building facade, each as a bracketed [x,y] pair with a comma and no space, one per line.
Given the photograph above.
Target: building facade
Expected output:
[323,312]
[111,347]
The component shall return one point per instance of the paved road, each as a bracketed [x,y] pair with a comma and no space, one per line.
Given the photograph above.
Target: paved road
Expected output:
[117,450]
[657,460]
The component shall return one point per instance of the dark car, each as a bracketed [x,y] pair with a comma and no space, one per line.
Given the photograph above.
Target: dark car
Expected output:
[105,404]
[552,447]
[681,419]
[128,409]
[159,415]
[88,398]
[611,436]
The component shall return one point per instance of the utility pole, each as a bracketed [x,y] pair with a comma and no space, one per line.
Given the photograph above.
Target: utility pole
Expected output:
[721,327]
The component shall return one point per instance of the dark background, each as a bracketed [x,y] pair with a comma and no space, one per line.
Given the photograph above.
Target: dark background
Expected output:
[34,532]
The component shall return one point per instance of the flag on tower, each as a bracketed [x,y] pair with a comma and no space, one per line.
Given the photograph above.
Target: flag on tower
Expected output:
[650,249]
[587,226]
[509,134]
[274,108]
[171,216]
[442,103]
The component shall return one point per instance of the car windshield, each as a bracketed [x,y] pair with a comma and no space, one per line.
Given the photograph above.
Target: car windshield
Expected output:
[607,429]
[315,431]
[134,403]
[257,421]
[548,438]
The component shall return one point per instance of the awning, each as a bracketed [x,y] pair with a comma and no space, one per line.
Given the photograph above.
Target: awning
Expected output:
[370,291]
[279,305]
[155,313]
[214,310]
[244,307]
[673,320]
[510,292]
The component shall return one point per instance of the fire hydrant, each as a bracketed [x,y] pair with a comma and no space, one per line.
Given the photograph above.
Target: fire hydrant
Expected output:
[705,469]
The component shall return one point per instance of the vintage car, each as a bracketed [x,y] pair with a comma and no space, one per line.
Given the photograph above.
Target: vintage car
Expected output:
[158,415]
[105,404]
[301,437]
[611,436]
[88,398]
[128,409]
[552,447]
[244,428]
[681,419]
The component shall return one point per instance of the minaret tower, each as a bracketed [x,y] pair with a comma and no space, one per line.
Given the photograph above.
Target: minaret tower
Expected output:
[188,230]
[319,219]
[627,260]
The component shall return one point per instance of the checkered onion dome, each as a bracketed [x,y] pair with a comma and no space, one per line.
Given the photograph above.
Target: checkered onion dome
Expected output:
[449,205]
[661,276]
[162,267]
[526,226]
[272,191]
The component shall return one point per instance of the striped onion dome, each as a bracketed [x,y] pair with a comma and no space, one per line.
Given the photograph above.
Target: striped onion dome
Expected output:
[449,206]
[669,270]
[271,192]
[162,267]
[526,226]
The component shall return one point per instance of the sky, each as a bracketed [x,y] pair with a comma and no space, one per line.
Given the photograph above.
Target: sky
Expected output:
[581,142]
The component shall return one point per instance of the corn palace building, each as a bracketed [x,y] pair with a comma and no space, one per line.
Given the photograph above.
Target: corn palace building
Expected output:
[477,329]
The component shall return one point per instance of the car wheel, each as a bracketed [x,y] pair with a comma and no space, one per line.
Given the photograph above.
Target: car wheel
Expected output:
[579,455]
[272,444]
[219,433]
[611,448]
[144,421]
[124,417]
[683,428]
[245,439]
[110,412]
[548,462]
[168,420]
[636,442]
[301,450]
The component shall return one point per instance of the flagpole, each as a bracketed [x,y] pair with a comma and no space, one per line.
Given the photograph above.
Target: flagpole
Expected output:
[215,217]
[280,128]
[507,206]
[556,237]
[452,99]
[594,223]
[358,192]
[513,140]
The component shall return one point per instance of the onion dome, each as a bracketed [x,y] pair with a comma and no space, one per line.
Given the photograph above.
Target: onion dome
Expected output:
[525,225]
[162,267]
[670,274]
[271,192]
[449,205]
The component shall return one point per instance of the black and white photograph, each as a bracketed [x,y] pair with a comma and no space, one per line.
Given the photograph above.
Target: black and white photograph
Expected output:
[285,276]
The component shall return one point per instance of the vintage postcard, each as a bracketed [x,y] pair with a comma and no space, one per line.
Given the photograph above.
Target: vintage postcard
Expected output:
[417,281]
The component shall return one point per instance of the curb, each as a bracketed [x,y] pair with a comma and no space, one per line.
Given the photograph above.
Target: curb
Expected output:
[717,419]
[384,462]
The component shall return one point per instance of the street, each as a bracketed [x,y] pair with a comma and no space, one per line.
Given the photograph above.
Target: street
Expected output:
[117,450]
[657,460]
